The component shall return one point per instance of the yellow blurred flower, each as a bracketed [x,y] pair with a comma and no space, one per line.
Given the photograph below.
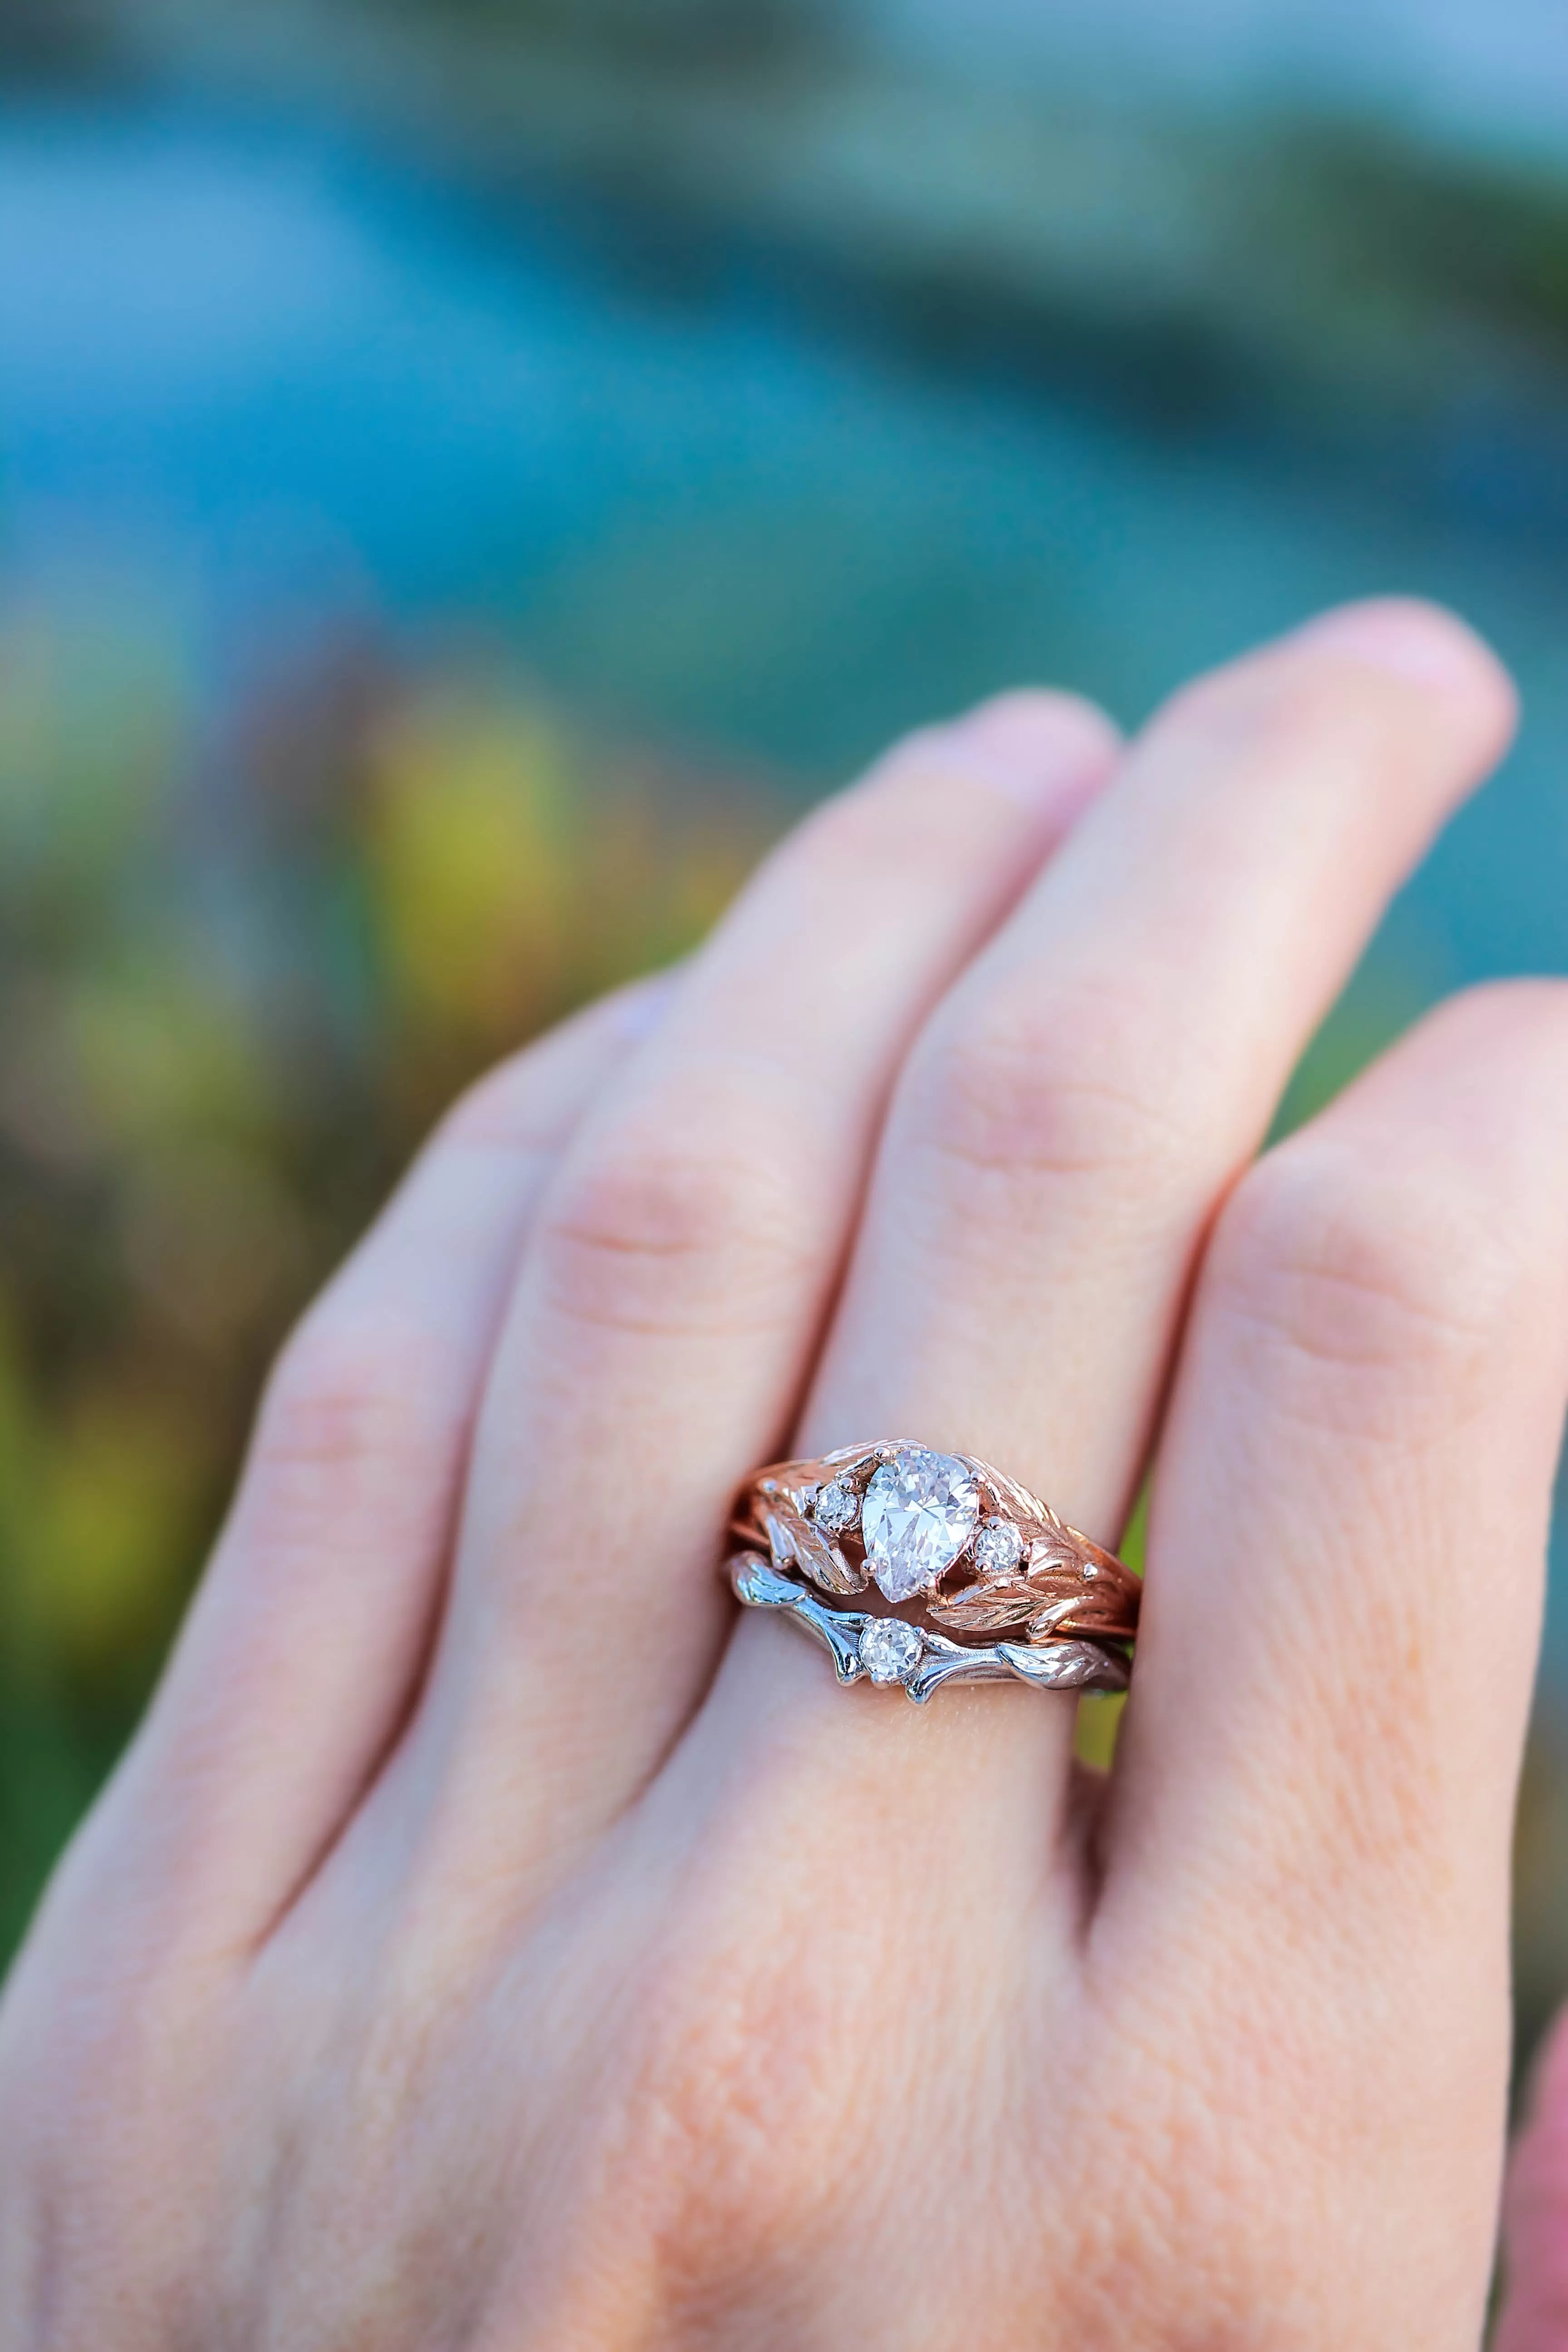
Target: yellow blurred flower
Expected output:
[470,858]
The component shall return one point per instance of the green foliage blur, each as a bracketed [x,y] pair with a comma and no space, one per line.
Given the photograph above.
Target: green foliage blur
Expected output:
[236,990]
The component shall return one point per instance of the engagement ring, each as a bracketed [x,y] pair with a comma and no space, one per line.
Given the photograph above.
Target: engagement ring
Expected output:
[956,1549]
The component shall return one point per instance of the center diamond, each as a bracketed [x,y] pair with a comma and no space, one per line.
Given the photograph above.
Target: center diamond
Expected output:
[919,1511]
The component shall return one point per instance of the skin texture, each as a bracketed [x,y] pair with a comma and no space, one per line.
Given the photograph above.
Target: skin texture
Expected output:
[490,1943]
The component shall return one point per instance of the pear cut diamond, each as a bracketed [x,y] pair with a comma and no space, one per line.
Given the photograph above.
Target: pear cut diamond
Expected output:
[920,1510]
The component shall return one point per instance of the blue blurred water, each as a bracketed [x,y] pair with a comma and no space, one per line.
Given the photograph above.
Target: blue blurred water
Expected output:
[255,379]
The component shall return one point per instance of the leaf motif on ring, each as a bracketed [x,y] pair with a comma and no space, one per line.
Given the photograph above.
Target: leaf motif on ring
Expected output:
[1061,1582]
[1081,1615]
[1051,1620]
[793,1539]
[1053,1554]
[981,1608]
[1015,1501]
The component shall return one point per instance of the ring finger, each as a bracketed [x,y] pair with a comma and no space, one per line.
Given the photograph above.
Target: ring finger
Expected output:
[1079,1104]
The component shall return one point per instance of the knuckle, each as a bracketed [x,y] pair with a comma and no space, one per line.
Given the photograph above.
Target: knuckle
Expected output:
[932,780]
[738,2062]
[661,1233]
[1061,1087]
[722,2080]
[353,1391]
[933,774]
[1364,1279]
[650,1200]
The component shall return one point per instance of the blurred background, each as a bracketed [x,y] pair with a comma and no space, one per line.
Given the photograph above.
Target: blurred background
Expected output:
[470,470]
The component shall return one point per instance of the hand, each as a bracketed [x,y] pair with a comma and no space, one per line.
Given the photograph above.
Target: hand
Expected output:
[490,1943]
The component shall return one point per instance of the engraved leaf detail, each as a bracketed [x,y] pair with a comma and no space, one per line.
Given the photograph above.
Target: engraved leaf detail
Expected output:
[1005,1600]
[795,1539]
[1065,1665]
[1016,1500]
[1054,1554]
[1057,1615]
[1082,1613]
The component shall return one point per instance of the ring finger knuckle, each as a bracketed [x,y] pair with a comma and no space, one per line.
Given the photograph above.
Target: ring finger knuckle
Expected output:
[1043,1086]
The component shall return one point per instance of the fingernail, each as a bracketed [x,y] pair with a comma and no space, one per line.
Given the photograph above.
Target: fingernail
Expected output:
[1039,748]
[1412,639]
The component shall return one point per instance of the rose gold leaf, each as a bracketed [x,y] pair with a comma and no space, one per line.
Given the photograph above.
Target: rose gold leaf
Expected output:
[1086,1615]
[1051,1620]
[795,1539]
[983,1607]
[1057,1592]
[1015,1499]
[1052,1555]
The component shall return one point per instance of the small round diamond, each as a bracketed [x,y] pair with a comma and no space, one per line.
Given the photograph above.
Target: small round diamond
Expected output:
[998,1548]
[890,1649]
[838,1506]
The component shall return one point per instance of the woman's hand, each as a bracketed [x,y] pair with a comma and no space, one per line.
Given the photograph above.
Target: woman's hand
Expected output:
[490,1943]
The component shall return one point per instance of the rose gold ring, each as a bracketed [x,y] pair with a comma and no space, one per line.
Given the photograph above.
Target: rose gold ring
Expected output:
[956,1551]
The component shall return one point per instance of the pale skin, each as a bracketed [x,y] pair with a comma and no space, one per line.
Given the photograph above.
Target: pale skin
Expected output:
[491,1943]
